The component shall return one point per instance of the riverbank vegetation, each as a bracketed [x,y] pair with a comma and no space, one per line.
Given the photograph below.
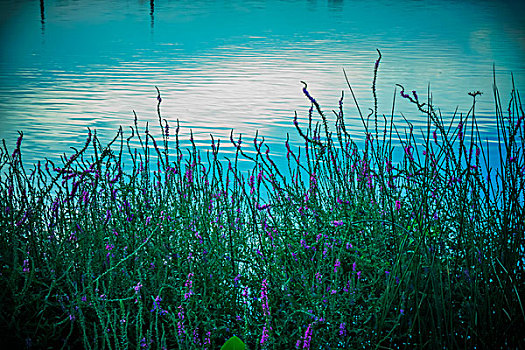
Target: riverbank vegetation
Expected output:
[399,238]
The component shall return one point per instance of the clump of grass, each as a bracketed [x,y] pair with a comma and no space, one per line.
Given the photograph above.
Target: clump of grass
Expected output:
[406,240]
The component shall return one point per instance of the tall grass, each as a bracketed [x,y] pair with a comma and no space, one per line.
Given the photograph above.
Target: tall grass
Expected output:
[409,239]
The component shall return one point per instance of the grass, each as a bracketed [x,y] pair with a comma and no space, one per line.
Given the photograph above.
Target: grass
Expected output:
[410,239]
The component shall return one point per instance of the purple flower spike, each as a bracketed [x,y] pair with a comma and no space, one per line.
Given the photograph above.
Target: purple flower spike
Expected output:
[307,337]
[398,205]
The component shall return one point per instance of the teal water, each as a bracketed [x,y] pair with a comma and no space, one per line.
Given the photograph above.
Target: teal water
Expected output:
[67,65]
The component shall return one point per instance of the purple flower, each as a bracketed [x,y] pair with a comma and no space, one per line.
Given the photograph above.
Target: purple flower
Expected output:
[264,335]
[264,298]
[307,337]
[26,266]
[180,323]
[156,302]
[143,343]
[403,94]
[188,285]
[398,205]
[318,276]
[236,280]
[336,265]
[342,329]
[408,151]
[262,207]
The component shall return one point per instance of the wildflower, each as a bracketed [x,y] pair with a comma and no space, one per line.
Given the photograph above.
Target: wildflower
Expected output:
[188,285]
[337,223]
[408,152]
[262,207]
[398,205]
[180,323]
[353,266]
[236,280]
[18,143]
[245,294]
[137,287]
[156,306]
[307,337]
[336,265]
[26,266]
[207,340]
[264,335]
[264,298]
[342,329]
[318,276]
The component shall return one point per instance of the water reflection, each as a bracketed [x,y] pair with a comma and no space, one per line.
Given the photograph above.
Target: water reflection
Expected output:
[151,14]
[238,64]
[42,16]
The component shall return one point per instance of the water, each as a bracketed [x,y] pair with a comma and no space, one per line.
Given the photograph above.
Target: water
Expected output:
[66,66]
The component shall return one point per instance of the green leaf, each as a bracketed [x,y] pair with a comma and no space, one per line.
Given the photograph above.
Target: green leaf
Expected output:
[234,343]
